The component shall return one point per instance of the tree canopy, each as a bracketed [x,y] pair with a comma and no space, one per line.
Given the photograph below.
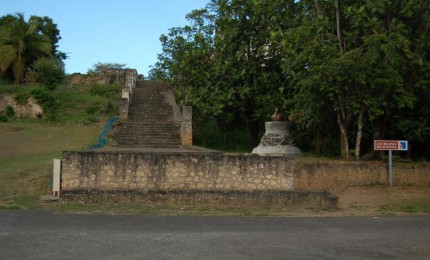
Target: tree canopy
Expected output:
[345,72]
[23,42]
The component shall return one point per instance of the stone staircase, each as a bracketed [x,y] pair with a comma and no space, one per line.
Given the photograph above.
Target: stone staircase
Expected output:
[151,119]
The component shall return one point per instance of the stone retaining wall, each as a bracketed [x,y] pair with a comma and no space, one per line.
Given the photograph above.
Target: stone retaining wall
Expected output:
[95,170]
[111,170]
[215,179]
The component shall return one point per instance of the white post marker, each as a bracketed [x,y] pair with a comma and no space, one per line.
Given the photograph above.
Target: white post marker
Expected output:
[56,177]
[390,146]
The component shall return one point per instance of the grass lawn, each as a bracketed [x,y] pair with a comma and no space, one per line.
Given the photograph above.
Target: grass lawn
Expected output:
[27,148]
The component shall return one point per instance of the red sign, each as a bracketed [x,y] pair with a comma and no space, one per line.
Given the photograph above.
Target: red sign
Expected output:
[395,145]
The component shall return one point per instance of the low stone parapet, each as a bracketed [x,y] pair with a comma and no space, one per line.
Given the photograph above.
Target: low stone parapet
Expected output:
[112,170]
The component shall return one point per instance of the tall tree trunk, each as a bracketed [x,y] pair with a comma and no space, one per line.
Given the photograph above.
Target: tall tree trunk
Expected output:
[339,36]
[254,129]
[320,139]
[359,132]
[341,116]
[18,69]
[341,122]
[378,134]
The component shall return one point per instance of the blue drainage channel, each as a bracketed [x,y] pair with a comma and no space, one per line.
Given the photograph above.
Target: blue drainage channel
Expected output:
[102,140]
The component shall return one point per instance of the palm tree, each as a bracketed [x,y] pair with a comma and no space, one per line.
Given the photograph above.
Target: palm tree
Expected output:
[20,43]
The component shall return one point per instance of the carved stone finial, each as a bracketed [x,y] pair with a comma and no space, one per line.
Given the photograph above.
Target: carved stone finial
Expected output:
[277,116]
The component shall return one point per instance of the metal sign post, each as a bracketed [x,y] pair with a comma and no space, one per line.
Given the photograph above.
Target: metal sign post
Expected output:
[390,167]
[390,146]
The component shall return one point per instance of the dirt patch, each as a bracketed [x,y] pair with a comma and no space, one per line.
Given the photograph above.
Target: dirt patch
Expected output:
[384,200]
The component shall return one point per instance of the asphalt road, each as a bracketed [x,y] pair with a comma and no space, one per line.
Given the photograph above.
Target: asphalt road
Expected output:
[47,235]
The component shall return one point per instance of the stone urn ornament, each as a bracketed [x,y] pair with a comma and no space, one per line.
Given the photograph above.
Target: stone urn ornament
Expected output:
[276,140]
[277,116]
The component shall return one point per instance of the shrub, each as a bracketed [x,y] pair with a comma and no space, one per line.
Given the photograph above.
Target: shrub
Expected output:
[112,91]
[47,101]
[10,112]
[94,109]
[48,71]
[3,118]
[89,120]
[110,109]
[21,97]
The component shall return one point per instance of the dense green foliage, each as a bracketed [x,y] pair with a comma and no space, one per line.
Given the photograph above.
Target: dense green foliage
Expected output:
[69,103]
[48,71]
[344,72]
[23,42]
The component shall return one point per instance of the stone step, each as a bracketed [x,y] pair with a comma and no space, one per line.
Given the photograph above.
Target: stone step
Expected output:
[148,103]
[160,117]
[149,141]
[146,141]
[143,128]
[150,106]
[160,123]
[149,121]
[142,112]
[150,113]
[152,128]
[149,146]
[149,126]
[150,133]
[150,138]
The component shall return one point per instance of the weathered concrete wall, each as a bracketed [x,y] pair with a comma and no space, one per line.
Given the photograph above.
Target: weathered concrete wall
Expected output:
[95,170]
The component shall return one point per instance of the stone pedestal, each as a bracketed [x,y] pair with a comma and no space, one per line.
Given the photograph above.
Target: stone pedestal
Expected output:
[276,141]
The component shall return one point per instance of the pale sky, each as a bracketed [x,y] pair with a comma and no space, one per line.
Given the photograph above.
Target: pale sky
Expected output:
[120,31]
